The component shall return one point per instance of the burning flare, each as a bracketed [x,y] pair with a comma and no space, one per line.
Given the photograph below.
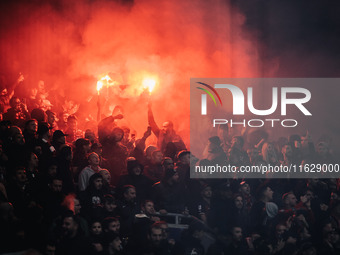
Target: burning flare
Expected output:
[99,85]
[107,80]
[149,83]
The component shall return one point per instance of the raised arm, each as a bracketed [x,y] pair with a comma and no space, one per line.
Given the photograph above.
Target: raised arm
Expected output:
[16,83]
[152,123]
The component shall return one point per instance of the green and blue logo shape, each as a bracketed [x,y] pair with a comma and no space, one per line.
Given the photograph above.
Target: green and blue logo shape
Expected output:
[204,97]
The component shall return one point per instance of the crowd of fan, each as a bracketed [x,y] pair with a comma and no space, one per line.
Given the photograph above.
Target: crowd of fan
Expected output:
[64,191]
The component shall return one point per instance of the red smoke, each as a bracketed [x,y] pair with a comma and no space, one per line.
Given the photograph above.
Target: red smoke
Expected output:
[71,44]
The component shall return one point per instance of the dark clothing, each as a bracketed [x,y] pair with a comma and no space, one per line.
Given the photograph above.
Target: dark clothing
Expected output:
[191,245]
[17,155]
[17,118]
[169,197]
[140,231]
[30,140]
[105,128]
[20,197]
[127,211]
[183,172]
[258,215]
[65,173]
[77,245]
[116,155]
[47,152]
[239,249]
[79,162]
[90,201]
[163,248]
[51,203]
[217,218]
[154,172]
[164,138]
[142,184]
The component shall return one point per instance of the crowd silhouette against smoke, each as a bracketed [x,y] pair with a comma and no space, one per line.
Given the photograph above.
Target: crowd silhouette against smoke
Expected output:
[95,145]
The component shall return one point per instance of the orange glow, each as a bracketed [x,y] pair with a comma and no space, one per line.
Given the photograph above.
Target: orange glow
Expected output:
[149,83]
[106,80]
[109,81]
[99,86]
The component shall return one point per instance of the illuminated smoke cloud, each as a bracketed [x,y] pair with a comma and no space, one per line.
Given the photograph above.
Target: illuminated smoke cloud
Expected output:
[72,44]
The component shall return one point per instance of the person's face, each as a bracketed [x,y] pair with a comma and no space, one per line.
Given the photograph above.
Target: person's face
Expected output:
[156,236]
[32,127]
[57,185]
[90,135]
[309,195]
[19,139]
[168,164]
[77,206]
[237,234]
[212,147]
[34,161]
[126,134]
[222,133]
[118,136]
[149,208]
[207,193]
[245,189]
[20,176]
[94,160]
[186,159]
[165,230]
[110,207]
[114,227]
[291,199]
[51,118]
[269,193]
[87,148]
[287,151]
[137,170]
[16,104]
[238,202]
[130,194]
[175,177]
[52,170]
[106,176]
[116,244]
[69,226]
[157,157]
[61,140]
[167,128]
[297,144]
[96,228]
[327,228]
[98,183]
[279,231]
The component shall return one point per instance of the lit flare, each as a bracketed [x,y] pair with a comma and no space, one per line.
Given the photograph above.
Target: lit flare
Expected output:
[149,84]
